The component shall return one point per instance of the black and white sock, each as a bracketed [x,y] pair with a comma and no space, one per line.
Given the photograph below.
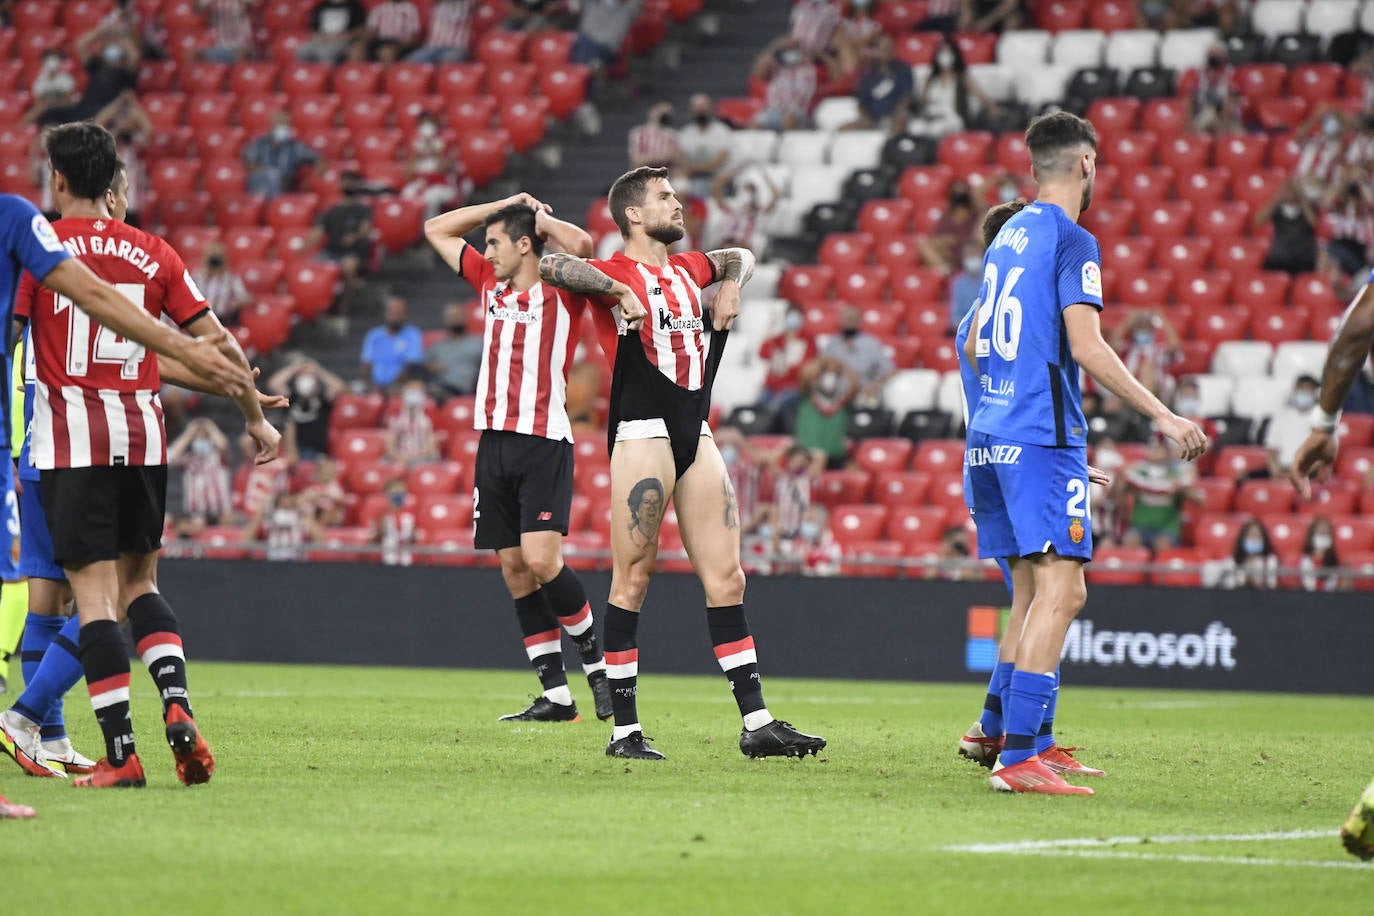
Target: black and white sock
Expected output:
[544,646]
[622,668]
[734,649]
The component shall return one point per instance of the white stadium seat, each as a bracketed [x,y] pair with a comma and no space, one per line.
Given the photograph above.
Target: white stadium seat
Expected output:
[1238,358]
[950,397]
[836,111]
[1367,16]
[764,283]
[1184,49]
[802,147]
[1214,394]
[1023,49]
[1132,49]
[786,218]
[911,389]
[1078,48]
[1276,17]
[1331,17]
[759,317]
[817,184]
[857,149]
[738,385]
[1299,357]
[998,81]
[752,146]
[1043,85]
[1259,396]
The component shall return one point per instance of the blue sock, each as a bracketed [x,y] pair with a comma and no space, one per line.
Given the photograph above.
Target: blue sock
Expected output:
[1004,670]
[991,720]
[1044,740]
[39,632]
[59,671]
[1030,697]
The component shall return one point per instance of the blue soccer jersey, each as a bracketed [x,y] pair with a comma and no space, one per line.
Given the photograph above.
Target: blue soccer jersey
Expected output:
[23,459]
[1040,264]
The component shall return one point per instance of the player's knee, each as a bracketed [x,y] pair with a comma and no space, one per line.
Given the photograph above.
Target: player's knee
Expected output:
[545,568]
[725,587]
[633,586]
[129,592]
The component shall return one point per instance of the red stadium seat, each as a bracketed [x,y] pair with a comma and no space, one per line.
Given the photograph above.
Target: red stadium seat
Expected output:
[221,542]
[927,320]
[1241,154]
[399,221]
[297,244]
[525,120]
[1106,568]
[472,114]
[1111,15]
[224,177]
[268,324]
[852,522]
[885,218]
[1357,429]
[1181,568]
[1182,254]
[922,184]
[239,210]
[182,16]
[841,250]
[1219,325]
[187,209]
[897,253]
[1166,220]
[1259,187]
[1286,532]
[483,154]
[1281,113]
[312,112]
[205,78]
[35,15]
[565,88]
[918,48]
[1144,184]
[1257,497]
[962,150]
[352,80]
[915,524]
[1354,463]
[304,79]
[257,111]
[291,210]
[1186,153]
[365,113]
[977,47]
[1238,461]
[799,283]
[1284,152]
[1147,289]
[1218,494]
[1280,324]
[261,277]
[862,284]
[191,241]
[174,176]
[918,284]
[220,143]
[243,244]
[510,81]
[165,109]
[1201,289]
[312,285]
[1166,118]
[440,478]
[1242,257]
[1206,186]
[549,50]
[1353,533]
[939,456]
[378,145]
[459,81]
[435,512]
[1127,256]
[880,455]
[356,411]
[1110,219]
[897,17]
[253,77]
[1314,291]
[1061,15]
[407,81]
[1012,155]
[153,75]
[939,354]
[836,488]
[1318,84]
[1261,81]
[900,488]
[1129,150]
[500,47]
[1195,357]
[360,445]
[739,111]
[1215,536]
[1223,221]
[1114,116]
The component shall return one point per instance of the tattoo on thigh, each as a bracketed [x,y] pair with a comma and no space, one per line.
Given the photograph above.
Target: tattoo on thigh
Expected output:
[731,504]
[646,510]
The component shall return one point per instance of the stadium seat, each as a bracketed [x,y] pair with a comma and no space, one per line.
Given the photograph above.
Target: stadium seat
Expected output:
[1276,17]
[256,111]
[845,249]
[1043,85]
[436,511]
[1061,15]
[1113,116]
[1110,219]
[1354,463]
[1244,258]
[354,79]
[1353,533]
[1240,461]
[304,79]
[1220,326]
[857,149]
[1202,289]
[459,81]
[356,411]
[1260,497]
[1328,18]
[1300,357]
[1218,494]
[1133,49]
[938,457]
[939,355]
[483,154]
[1108,562]
[500,47]
[399,222]
[1315,292]
[1164,220]
[187,209]
[1142,183]
[1182,255]
[313,112]
[886,218]
[1215,535]
[1146,289]
[311,284]
[1127,256]
[799,283]
[911,389]
[880,455]
[1186,152]
[1023,49]
[1078,49]
[1180,568]
[1281,324]
[1183,49]
[355,445]
[510,81]
[861,284]
[565,88]
[365,113]
[897,489]
[245,244]
[848,487]
[268,320]
[911,525]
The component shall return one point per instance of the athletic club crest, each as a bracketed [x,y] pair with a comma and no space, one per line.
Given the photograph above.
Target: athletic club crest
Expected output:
[1076,530]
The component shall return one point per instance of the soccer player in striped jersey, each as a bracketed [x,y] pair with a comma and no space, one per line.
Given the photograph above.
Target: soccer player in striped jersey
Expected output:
[983,741]
[32,730]
[99,443]
[661,447]
[1036,324]
[524,471]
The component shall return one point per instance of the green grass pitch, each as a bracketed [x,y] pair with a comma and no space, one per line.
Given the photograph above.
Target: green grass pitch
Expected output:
[372,790]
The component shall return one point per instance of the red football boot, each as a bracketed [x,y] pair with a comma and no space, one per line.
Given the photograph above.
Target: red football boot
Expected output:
[107,776]
[1060,759]
[1031,775]
[979,748]
[195,763]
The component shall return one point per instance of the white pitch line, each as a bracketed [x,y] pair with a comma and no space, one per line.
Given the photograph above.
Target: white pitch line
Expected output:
[1099,842]
[1205,860]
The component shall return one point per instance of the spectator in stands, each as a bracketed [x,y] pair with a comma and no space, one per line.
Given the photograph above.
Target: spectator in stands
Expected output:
[602,31]
[828,387]
[654,143]
[1293,248]
[789,71]
[1322,149]
[962,216]
[704,144]
[394,530]
[1149,346]
[536,15]
[1107,458]
[1289,425]
[957,561]
[1226,15]
[738,216]
[311,388]
[231,30]
[1214,94]
[450,29]
[346,228]
[276,158]
[432,172]
[409,431]
[262,482]
[54,84]
[323,500]
[287,528]
[126,22]
[393,350]
[223,288]
[885,91]
[1253,563]
[1319,563]
[455,359]
[111,64]
[746,466]
[132,127]
[1158,487]
[813,24]
[941,16]
[1107,417]
[338,25]
[786,353]
[989,15]
[1348,224]
[947,101]
[820,553]
[782,519]
[966,282]
[201,451]
[860,31]
[864,355]
[393,30]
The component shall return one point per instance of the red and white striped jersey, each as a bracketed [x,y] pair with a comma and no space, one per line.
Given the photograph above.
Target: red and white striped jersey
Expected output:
[450,24]
[527,350]
[96,400]
[674,331]
[395,20]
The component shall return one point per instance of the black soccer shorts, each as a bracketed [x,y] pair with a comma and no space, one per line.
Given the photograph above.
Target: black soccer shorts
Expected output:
[521,483]
[99,513]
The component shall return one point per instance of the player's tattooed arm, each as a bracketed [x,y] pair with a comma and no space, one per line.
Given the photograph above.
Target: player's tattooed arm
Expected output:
[733,264]
[731,504]
[577,276]
[646,511]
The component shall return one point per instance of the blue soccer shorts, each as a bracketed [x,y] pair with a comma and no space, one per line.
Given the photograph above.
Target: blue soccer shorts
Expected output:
[1030,499]
[35,544]
[9,534]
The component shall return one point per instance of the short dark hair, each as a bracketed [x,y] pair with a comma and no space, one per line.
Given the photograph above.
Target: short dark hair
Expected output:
[1051,134]
[997,217]
[120,169]
[518,220]
[84,153]
[628,191]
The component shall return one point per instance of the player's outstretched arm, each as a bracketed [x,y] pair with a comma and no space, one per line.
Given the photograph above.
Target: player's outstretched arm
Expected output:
[174,373]
[1101,362]
[445,232]
[264,434]
[1349,349]
[577,276]
[206,356]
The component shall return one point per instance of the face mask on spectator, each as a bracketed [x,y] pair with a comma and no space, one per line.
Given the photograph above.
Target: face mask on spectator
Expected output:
[397,498]
[702,118]
[828,383]
[428,129]
[281,133]
[665,119]
[1007,193]
[789,57]
[203,447]
[1321,542]
[1331,125]
[973,264]
[1290,211]
[1187,406]
[1144,338]
[113,55]
[729,454]
[413,398]
[794,321]
[51,63]
[945,59]
[849,333]
[810,530]
[1303,400]
[457,329]
[1253,546]
[306,385]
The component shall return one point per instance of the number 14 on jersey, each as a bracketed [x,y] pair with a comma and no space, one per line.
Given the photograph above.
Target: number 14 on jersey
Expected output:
[108,347]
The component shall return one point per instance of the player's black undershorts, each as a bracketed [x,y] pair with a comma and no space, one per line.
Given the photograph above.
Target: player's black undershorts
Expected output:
[99,513]
[521,483]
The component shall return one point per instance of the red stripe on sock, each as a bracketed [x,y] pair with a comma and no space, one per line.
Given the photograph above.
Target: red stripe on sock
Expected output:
[574,619]
[105,685]
[626,657]
[734,648]
[158,639]
[537,638]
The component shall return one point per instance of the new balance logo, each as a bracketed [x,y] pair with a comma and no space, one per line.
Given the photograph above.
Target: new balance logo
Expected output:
[545,516]
[165,670]
[656,291]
